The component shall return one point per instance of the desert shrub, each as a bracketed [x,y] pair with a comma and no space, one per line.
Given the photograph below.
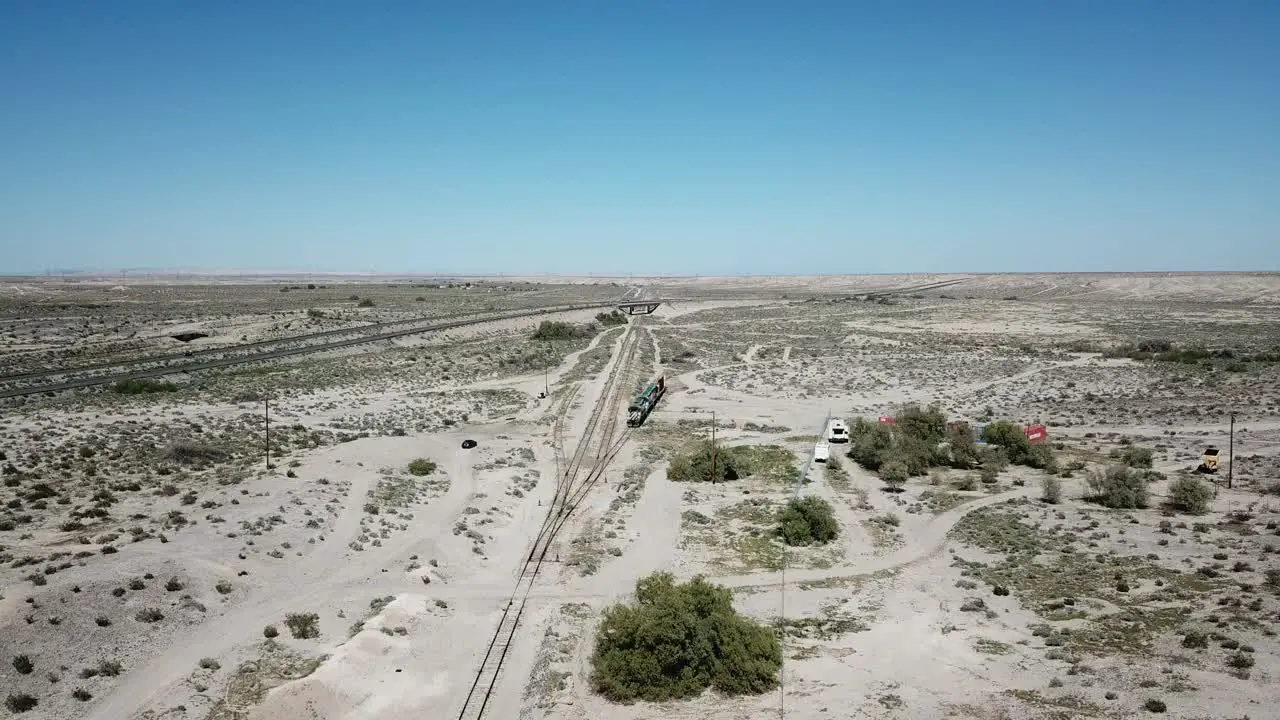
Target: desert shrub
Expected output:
[1135,456]
[23,664]
[869,442]
[109,668]
[189,451]
[365,302]
[807,521]
[921,438]
[1155,706]
[223,587]
[1119,487]
[173,585]
[209,664]
[1195,640]
[926,424]
[270,631]
[695,464]
[139,386]
[677,640]
[613,318]
[20,702]
[894,473]
[303,626]
[1012,439]
[559,330]
[82,695]
[1190,495]
[1051,491]
[961,446]
[149,615]
[422,466]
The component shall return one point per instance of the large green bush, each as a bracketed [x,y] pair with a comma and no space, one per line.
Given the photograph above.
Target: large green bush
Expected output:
[1011,438]
[770,462]
[559,330]
[695,464]
[1135,456]
[610,319]
[421,466]
[1190,495]
[1119,487]
[807,521]
[921,438]
[677,640]
[139,386]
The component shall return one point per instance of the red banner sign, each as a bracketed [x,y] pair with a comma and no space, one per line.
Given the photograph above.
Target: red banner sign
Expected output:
[1036,433]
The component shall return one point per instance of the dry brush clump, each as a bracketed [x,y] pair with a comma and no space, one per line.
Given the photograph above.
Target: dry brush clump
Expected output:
[679,639]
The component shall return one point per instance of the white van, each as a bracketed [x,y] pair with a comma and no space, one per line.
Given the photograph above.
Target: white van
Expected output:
[837,431]
[821,452]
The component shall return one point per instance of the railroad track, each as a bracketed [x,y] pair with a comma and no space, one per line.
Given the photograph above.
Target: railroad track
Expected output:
[95,380]
[599,445]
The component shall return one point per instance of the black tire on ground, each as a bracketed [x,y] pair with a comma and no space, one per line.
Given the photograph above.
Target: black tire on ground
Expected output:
[468,444]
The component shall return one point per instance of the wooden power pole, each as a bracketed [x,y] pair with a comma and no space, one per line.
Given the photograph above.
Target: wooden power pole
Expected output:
[1231,451]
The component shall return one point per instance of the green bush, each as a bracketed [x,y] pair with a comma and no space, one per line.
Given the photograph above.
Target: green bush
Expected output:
[613,318]
[695,464]
[926,424]
[559,330]
[894,473]
[1190,495]
[807,521]
[135,386]
[303,626]
[961,446]
[1051,492]
[677,640]
[921,438]
[1012,439]
[1119,487]
[869,442]
[1134,456]
[421,466]
[20,702]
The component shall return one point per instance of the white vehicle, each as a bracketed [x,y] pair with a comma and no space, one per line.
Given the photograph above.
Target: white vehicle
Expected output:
[837,431]
[821,452]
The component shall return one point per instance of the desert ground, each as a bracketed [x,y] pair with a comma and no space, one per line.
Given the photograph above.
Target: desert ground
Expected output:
[162,557]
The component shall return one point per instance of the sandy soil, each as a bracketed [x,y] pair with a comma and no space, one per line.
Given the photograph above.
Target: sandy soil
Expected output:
[151,560]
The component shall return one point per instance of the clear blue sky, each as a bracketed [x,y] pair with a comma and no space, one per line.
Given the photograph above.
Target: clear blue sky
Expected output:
[645,137]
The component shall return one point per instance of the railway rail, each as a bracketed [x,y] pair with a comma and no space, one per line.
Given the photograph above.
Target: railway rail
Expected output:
[601,436]
[76,384]
[224,349]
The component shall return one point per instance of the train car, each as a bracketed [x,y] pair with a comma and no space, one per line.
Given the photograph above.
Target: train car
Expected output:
[644,403]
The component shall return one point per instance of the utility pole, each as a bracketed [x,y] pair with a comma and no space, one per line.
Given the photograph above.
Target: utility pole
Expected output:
[1231,451]
[266,415]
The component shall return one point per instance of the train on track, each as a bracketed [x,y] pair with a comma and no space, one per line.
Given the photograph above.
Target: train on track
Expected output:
[644,403]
